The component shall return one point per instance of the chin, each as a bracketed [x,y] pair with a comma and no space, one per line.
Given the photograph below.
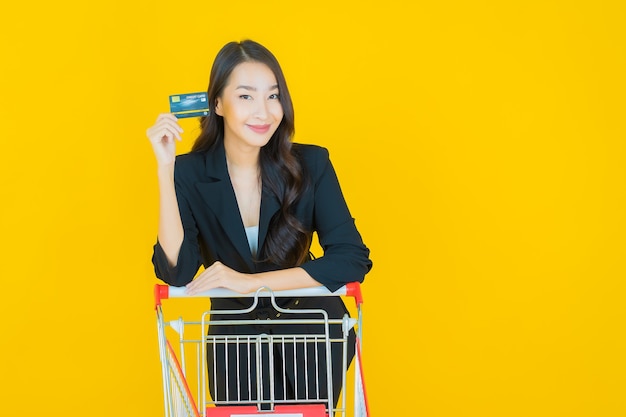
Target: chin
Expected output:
[261,141]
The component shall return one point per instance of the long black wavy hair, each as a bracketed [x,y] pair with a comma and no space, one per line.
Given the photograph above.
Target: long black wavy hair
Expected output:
[287,242]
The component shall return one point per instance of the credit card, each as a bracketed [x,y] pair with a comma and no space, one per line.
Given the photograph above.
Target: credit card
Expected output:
[189,105]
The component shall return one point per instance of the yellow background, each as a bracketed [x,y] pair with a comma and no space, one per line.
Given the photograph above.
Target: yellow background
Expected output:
[480,145]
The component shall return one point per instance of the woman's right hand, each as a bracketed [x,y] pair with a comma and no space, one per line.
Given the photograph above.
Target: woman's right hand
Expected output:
[162,135]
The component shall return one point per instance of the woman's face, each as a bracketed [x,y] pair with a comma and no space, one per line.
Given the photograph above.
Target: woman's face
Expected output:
[250,105]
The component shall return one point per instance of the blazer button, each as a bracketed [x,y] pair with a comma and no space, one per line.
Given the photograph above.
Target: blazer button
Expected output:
[277,315]
[297,302]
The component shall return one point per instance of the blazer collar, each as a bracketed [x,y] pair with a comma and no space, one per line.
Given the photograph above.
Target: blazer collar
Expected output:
[218,194]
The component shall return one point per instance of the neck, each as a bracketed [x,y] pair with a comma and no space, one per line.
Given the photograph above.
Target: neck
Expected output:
[242,160]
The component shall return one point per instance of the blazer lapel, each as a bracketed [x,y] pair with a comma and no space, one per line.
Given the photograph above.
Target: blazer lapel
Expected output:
[269,206]
[219,196]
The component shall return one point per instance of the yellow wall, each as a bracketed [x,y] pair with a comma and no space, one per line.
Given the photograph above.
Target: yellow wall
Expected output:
[481,146]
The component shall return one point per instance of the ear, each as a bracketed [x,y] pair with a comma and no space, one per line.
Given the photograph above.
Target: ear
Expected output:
[218,107]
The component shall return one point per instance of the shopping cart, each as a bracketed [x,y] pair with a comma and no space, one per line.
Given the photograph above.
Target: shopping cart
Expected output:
[198,365]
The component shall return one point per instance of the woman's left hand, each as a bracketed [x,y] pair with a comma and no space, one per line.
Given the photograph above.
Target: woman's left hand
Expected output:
[219,275]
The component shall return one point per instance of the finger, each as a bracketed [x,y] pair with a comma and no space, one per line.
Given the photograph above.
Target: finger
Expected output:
[171,124]
[203,282]
[162,134]
[170,121]
[208,279]
[199,287]
[167,116]
[171,133]
[174,131]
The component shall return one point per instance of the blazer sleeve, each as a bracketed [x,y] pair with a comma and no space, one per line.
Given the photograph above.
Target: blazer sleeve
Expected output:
[345,258]
[189,259]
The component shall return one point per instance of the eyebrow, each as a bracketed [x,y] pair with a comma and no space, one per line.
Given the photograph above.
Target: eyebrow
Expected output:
[250,88]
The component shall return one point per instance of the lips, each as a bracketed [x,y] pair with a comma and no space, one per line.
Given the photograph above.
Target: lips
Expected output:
[260,128]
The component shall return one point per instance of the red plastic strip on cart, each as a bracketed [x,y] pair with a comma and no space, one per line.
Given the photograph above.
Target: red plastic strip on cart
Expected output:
[360,395]
[182,378]
[307,410]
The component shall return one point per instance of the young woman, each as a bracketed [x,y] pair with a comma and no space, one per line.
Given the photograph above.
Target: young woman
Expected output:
[245,202]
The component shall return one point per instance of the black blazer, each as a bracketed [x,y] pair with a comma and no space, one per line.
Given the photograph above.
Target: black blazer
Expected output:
[214,229]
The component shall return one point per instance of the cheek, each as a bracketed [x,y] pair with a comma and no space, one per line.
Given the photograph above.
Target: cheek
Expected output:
[277,111]
[238,112]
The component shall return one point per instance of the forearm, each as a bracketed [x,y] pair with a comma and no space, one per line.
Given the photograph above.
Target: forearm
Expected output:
[284,279]
[171,232]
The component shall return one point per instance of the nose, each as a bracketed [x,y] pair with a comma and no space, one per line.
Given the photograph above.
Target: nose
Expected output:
[261,110]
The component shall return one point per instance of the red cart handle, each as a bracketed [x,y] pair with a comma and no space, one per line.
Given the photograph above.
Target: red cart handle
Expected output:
[353,289]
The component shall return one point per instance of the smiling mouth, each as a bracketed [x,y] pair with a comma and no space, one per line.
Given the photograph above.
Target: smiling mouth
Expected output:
[260,128]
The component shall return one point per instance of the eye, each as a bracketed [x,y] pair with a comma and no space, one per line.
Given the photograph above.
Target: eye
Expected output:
[274,96]
[245,97]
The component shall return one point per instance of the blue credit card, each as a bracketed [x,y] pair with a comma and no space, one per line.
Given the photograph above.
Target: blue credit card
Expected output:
[189,105]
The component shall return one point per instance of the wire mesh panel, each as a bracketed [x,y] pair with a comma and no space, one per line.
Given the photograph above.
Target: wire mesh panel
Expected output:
[269,369]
